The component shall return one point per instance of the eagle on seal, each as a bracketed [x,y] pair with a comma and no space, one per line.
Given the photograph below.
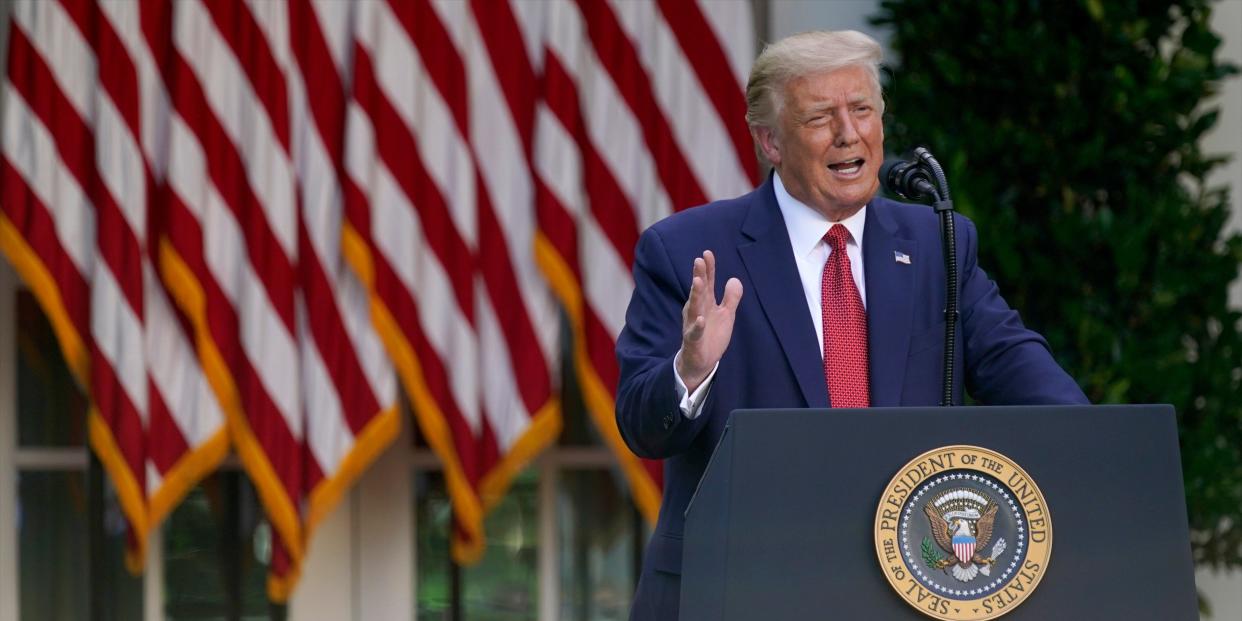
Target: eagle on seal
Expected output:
[953,533]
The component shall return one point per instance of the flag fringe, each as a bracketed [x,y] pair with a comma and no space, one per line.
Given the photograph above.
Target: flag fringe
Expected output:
[378,434]
[599,401]
[188,294]
[187,472]
[544,428]
[31,269]
[467,548]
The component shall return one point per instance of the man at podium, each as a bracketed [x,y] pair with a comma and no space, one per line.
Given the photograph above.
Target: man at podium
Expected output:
[808,292]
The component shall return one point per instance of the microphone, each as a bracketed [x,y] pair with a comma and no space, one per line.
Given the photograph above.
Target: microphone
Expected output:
[908,180]
[920,180]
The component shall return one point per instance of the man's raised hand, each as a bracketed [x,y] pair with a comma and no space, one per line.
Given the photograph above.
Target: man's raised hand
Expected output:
[706,326]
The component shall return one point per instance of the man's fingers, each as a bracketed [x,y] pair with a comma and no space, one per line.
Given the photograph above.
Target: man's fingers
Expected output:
[703,288]
[700,269]
[732,294]
[696,295]
[709,263]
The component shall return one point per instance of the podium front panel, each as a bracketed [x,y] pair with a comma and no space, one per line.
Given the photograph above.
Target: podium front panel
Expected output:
[783,524]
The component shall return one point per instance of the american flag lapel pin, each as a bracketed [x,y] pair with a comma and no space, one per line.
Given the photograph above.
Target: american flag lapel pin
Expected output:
[901,257]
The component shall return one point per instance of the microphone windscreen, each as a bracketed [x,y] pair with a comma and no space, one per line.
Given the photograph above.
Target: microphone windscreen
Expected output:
[886,172]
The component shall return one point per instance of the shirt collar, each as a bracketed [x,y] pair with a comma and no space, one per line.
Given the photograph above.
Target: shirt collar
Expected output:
[806,226]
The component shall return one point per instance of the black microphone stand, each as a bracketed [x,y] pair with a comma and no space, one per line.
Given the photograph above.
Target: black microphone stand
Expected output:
[943,205]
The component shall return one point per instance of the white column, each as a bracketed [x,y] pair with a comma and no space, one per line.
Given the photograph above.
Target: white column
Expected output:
[153,577]
[384,536]
[788,17]
[8,443]
[324,593]
[1226,137]
[8,408]
[1223,592]
[549,546]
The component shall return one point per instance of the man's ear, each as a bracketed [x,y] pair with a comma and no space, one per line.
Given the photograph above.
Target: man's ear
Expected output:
[769,146]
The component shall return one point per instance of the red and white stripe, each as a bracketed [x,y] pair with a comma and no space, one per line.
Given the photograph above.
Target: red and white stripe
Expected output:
[441,207]
[642,114]
[349,386]
[247,214]
[964,550]
[232,243]
[185,241]
[154,423]
[186,438]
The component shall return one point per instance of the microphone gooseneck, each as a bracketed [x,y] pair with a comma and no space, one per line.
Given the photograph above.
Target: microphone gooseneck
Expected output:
[920,180]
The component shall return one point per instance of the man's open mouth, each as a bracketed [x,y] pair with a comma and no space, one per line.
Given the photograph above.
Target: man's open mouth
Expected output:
[847,167]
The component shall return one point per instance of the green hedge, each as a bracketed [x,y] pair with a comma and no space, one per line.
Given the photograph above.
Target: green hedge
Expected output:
[1070,135]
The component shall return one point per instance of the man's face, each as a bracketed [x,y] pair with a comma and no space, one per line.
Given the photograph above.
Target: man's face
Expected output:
[828,144]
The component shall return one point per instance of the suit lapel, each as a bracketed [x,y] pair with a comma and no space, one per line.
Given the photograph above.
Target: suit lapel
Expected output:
[769,261]
[890,303]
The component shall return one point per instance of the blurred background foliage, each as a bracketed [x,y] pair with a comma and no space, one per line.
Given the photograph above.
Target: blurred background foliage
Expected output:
[1070,134]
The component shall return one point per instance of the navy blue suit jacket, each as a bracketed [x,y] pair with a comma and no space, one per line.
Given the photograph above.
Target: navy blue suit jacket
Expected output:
[773,359]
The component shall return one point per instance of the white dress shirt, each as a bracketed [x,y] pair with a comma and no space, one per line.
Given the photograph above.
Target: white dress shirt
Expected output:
[806,228]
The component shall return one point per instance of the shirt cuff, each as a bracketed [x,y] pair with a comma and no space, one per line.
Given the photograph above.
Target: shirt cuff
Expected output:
[692,404]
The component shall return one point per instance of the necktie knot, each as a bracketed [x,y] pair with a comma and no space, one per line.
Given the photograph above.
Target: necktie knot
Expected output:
[837,236]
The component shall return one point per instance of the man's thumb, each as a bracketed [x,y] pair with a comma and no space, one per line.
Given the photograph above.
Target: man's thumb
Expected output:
[732,294]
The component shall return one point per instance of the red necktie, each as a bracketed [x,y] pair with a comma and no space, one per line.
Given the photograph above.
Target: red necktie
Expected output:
[845,328]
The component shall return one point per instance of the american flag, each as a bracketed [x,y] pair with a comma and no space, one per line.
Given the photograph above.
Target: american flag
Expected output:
[251,220]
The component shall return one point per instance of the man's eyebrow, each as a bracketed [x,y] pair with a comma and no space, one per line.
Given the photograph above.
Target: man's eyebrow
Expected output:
[825,105]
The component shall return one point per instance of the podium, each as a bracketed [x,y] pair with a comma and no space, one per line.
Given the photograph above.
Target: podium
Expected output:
[783,524]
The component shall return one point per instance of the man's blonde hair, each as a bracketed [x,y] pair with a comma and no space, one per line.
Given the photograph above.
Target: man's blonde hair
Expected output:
[802,54]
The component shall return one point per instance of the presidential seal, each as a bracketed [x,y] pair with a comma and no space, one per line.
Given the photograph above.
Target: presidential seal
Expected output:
[962,533]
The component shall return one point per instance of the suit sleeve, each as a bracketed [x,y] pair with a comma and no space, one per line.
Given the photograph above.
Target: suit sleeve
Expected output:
[648,409]
[1006,363]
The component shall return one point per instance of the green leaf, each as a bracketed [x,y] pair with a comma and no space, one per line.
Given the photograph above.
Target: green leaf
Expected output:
[931,555]
[1071,132]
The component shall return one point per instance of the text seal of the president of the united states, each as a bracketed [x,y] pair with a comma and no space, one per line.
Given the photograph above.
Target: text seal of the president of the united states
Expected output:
[963,533]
